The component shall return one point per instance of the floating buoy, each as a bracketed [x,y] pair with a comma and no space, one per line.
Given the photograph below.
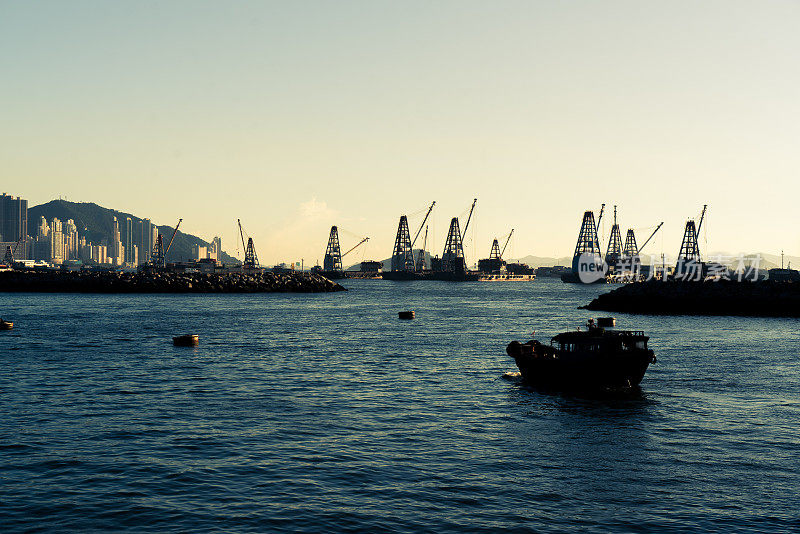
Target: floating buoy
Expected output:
[188,340]
[406,315]
[6,325]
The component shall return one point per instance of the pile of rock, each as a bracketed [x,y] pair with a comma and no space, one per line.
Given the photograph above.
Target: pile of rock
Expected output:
[762,298]
[163,282]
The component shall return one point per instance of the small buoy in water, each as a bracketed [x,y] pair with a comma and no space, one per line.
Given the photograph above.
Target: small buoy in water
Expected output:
[6,325]
[406,315]
[188,340]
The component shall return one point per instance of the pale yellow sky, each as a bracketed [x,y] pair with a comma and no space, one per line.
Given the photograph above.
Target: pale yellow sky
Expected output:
[294,116]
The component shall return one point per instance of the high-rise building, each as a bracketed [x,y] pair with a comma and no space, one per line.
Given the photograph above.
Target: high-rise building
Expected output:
[127,240]
[14,226]
[116,252]
[71,243]
[146,241]
[216,249]
[56,241]
[199,252]
[13,218]
[42,230]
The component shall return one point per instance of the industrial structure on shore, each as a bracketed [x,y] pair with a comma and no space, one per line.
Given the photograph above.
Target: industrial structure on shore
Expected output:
[622,262]
[409,263]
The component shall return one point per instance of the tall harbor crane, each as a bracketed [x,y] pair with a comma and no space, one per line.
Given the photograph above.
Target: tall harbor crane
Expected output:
[250,257]
[453,256]
[9,257]
[690,249]
[614,250]
[332,261]
[158,257]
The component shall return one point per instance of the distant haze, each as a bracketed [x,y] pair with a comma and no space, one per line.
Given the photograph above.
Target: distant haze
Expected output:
[294,116]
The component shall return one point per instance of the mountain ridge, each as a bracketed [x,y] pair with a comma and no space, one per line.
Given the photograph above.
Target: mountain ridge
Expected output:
[95,222]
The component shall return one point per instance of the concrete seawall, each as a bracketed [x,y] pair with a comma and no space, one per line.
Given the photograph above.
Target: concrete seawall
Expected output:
[164,282]
[762,299]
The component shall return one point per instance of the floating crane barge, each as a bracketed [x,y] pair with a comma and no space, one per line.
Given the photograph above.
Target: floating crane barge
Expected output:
[451,267]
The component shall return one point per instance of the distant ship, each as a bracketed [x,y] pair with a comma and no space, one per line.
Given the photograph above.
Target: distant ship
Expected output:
[598,358]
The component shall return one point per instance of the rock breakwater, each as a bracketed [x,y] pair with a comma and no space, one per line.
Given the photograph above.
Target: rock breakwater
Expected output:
[164,282]
[762,298]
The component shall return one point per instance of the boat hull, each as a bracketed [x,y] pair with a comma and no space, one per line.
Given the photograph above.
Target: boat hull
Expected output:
[507,278]
[441,276]
[550,368]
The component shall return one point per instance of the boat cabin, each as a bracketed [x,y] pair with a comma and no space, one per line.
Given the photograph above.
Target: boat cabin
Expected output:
[600,336]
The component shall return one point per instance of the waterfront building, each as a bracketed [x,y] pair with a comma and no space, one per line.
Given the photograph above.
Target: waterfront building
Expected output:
[199,252]
[71,240]
[215,252]
[146,242]
[56,242]
[43,229]
[127,241]
[13,218]
[116,253]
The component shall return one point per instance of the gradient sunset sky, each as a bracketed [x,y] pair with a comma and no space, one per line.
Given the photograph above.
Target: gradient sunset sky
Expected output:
[294,116]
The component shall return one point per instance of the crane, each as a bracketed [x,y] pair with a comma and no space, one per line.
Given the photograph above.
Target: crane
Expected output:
[250,257]
[702,216]
[158,258]
[172,238]
[464,232]
[430,209]
[241,234]
[355,247]
[651,235]
[597,226]
[506,244]
[420,264]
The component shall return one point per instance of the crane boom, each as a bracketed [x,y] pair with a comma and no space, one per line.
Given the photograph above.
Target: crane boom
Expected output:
[600,218]
[506,244]
[430,209]
[597,226]
[702,216]
[464,232]
[651,235]
[172,238]
[355,247]
[241,234]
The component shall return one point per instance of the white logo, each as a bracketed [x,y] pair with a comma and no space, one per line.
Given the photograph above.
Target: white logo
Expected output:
[591,268]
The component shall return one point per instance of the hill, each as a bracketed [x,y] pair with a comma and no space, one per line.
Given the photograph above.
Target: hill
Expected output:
[96,224]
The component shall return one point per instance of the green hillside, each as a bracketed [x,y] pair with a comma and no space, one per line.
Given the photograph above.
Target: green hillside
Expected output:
[96,223]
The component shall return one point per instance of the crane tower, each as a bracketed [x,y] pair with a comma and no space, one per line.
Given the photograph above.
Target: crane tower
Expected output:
[333,253]
[402,255]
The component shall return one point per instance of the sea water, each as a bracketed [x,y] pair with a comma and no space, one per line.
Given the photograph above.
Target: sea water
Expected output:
[325,413]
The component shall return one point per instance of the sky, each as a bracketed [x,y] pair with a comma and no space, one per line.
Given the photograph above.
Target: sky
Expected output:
[295,116]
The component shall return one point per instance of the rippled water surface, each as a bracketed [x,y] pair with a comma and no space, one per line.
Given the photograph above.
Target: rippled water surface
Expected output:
[326,413]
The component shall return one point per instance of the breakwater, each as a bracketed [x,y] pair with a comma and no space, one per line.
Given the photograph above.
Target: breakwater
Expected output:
[762,299]
[163,282]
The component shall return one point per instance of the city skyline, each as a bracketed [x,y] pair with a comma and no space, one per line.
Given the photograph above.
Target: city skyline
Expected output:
[294,119]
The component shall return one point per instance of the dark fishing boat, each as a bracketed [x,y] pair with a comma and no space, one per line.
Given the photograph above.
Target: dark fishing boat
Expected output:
[597,358]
